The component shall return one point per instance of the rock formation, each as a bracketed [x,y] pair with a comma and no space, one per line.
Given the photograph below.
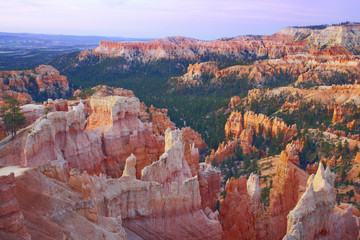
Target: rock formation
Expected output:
[313,216]
[32,112]
[234,125]
[160,120]
[11,217]
[236,216]
[259,123]
[283,196]
[209,183]
[253,188]
[334,40]
[166,203]
[234,102]
[223,152]
[197,74]
[192,144]
[115,118]
[25,84]
[60,137]
[312,168]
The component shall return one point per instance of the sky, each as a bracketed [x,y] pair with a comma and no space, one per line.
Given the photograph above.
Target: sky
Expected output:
[201,19]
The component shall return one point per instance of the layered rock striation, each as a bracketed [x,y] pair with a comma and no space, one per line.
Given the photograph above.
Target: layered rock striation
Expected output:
[313,216]
[335,40]
[11,218]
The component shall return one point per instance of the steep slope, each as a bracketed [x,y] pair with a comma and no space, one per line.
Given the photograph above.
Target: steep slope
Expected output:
[101,178]
[313,216]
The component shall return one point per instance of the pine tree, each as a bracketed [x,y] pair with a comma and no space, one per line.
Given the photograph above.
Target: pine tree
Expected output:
[12,116]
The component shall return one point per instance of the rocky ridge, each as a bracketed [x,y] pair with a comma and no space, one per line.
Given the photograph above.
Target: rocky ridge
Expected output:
[343,39]
[27,84]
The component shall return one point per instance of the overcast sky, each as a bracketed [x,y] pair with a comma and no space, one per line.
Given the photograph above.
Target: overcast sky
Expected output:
[201,19]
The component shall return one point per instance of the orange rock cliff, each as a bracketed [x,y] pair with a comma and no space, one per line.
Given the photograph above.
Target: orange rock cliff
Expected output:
[158,192]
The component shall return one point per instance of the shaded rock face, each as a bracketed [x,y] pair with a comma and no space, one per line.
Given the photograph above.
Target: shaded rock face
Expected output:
[209,183]
[313,216]
[11,217]
[42,79]
[236,216]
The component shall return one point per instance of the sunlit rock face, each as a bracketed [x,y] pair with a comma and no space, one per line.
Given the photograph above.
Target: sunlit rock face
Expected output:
[166,202]
[115,118]
[332,40]
[23,84]
[60,137]
[313,216]
[74,159]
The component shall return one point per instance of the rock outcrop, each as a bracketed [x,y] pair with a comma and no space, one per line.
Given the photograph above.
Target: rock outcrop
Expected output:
[236,216]
[11,217]
[166,203]
[209,182]
[115,118]
[259,123]
[334,40]
[313,216]
[283,196]
[60,137]
[197,74]
[223,152]
[253,188]
[44,81]
[234,102]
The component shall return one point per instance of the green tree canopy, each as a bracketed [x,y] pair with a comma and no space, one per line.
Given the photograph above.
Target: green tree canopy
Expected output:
[12,116]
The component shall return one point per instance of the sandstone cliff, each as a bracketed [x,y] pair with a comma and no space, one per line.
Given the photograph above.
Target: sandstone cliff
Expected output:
[341,40]
[236,216]
[11,217]
[283,196]
[25,85]
[115,118]
[313,216]
[209,183]
[166,203]
[72,181]
[259,123]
